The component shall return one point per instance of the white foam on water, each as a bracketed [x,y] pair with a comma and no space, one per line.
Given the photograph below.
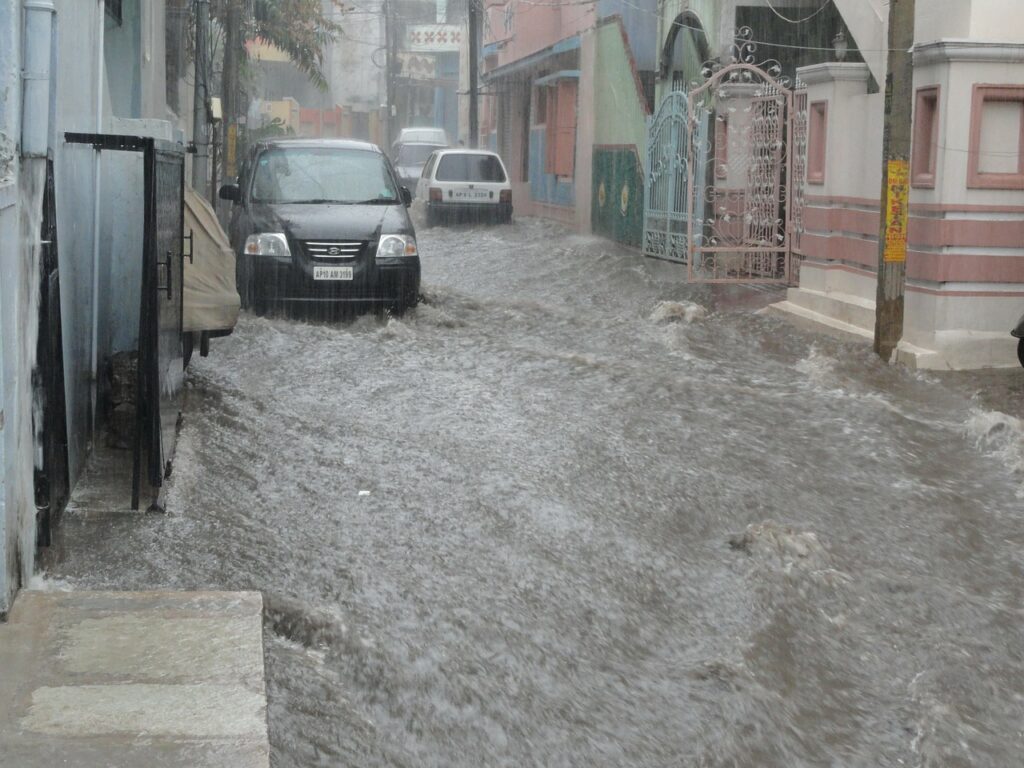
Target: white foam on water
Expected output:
[1001,436]
[819,368]
[41,582]
[685,312]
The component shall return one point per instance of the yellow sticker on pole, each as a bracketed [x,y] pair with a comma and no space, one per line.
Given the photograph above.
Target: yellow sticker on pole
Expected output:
[231,160]
[897,204]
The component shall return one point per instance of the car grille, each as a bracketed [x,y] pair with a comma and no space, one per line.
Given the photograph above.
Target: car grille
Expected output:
[333,249]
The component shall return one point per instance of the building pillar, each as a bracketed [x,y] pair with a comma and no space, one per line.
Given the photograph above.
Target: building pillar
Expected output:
[10,121]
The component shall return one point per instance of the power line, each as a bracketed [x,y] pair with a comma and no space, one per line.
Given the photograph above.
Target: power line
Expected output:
[797,21]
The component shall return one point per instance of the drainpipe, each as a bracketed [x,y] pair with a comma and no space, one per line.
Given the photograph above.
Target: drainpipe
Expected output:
[94,341]
[35,115]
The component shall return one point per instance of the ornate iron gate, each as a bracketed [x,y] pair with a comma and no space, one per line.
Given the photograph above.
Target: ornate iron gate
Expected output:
[665,226]
[722,187]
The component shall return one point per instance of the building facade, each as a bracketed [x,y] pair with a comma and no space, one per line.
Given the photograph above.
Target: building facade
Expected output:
[965,241]
[567,93]
[89,66]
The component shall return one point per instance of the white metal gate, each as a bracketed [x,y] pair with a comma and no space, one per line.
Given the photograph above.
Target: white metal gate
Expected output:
[723,184]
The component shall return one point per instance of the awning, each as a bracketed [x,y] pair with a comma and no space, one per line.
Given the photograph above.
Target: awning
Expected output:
[565,74]
[562,46]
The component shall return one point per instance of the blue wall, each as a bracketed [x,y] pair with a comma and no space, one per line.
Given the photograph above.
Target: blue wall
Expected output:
[546,187]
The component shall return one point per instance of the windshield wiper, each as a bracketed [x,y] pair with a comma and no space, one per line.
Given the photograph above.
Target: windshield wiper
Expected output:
[313,201]
[374,201]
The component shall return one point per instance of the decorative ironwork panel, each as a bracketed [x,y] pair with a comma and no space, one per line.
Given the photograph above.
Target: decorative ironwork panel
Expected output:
[723,187]
[665,226]
[740,171]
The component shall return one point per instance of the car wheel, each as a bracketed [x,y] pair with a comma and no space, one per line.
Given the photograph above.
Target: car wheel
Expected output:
[431,218]
[244,283]
[402,306]
[1020,351]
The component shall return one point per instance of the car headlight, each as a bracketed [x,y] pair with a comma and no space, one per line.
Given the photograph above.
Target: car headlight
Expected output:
[396,246]
[267,244]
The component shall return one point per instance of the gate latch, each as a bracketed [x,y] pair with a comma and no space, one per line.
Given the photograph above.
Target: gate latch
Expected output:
[169,270]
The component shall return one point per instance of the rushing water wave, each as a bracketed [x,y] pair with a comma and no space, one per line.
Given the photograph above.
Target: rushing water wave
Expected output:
[572,511]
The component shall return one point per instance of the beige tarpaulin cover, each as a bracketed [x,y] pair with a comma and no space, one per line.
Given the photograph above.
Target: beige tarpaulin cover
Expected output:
[211,299]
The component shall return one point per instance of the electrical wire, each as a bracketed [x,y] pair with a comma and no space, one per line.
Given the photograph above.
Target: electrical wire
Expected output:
[774,10]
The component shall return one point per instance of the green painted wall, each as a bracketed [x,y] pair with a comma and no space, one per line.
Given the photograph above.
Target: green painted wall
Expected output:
[620,139]
[620,117]
[709,14]
[617,196]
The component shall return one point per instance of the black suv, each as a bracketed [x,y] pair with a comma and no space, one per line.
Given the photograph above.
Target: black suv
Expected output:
[322,222]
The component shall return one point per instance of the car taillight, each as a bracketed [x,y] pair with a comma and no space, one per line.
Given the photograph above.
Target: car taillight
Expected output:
[435,195]
[506,196]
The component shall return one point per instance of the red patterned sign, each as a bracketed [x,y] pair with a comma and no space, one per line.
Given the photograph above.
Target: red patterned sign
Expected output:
[434,38]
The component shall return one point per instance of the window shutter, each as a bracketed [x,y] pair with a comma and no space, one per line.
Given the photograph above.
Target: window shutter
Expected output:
[565,134]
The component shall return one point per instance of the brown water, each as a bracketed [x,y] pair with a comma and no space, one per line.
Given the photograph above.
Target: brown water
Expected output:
[511,528]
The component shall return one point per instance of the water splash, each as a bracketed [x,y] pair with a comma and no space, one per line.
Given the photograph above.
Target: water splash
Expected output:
[999,435]
[678,312]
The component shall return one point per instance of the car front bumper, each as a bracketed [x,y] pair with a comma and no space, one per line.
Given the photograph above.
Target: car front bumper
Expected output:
[275,281]
[470,211]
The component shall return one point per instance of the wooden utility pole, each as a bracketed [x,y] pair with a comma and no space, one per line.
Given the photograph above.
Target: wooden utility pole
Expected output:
[474,75]
[231,86]
[201,99]
[390,114]
[895,198]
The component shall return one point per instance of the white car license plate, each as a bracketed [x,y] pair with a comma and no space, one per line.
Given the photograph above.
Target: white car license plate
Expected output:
[332,273]
[471,194]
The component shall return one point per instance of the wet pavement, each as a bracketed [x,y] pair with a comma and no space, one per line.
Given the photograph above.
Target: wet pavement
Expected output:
[571,511]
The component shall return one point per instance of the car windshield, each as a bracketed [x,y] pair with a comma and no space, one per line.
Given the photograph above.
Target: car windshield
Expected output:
[470,167]
[322,175]
[415,154]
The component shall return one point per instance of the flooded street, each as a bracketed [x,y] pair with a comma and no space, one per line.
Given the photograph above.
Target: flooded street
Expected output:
[571,511]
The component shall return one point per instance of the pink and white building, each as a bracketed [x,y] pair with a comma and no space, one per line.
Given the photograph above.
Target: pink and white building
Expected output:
[965,258]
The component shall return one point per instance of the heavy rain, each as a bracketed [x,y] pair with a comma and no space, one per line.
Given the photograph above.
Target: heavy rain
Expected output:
[573,511]
[615,383]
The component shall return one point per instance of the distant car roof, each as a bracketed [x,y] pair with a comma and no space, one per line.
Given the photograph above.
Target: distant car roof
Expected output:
[468,151]
[423,134]
[329,143]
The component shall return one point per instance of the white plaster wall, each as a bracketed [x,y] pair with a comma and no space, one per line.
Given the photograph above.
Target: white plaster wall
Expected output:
[353,77]
[854,120]
[957,81]
[960,332]
[997,20]
[10,57]
[937,19]
[74,169]
[868,21]
[1001,20]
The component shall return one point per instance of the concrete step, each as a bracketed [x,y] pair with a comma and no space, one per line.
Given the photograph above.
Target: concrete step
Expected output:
[154,679]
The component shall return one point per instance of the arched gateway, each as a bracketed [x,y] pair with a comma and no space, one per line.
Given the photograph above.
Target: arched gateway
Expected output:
[725,172]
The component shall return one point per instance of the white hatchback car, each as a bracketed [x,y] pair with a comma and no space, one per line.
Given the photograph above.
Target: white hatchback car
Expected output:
[465,184]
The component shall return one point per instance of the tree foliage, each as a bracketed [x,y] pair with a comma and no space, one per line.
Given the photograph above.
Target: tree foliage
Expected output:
[300,28]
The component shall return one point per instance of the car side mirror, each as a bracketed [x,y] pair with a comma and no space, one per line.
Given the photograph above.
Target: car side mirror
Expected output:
[406,196]
[230,192]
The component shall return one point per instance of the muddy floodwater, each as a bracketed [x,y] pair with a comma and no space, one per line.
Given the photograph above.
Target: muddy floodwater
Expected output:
[571,511]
